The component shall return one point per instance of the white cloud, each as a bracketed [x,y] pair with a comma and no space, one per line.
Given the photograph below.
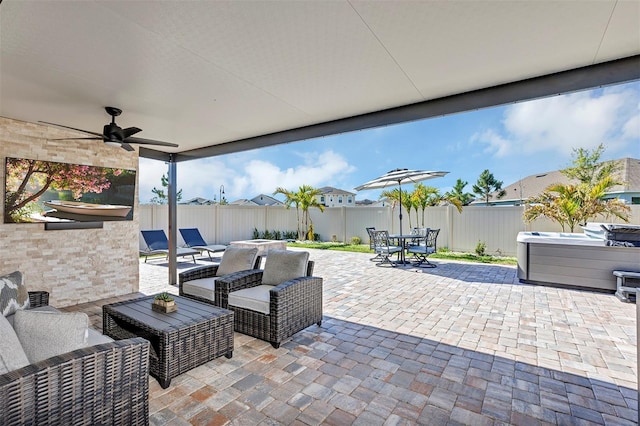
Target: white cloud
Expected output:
[319,169]
[149,176]
[562,123]
[202,178]
[631,129]
[496,144]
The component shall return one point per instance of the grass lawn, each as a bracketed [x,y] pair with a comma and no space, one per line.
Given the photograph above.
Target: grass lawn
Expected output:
[441,254]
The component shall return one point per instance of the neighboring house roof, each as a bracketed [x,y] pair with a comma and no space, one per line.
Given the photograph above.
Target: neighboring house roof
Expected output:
[365,202]
[332,190]
[198,201]
[630,175]
[258,200]
[243,202]
[384,202]
[535,184]
[266,200]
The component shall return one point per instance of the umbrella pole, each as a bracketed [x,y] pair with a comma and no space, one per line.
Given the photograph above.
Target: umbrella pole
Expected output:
[400,185]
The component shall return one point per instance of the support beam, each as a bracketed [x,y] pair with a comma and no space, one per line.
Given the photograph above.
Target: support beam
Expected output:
[589,77]
[173,210]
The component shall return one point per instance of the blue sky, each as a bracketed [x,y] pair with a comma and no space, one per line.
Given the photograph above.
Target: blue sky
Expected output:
[512,141]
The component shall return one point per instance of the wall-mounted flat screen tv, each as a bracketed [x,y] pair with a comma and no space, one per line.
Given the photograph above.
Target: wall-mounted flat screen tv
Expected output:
[47,191]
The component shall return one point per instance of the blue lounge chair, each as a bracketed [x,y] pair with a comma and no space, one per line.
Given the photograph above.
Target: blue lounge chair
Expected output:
[194,240]
[157,242]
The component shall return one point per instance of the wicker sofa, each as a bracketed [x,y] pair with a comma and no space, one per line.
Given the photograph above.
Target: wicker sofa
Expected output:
[107,383]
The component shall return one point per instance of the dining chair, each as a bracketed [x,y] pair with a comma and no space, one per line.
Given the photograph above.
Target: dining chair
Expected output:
[384,249]
[372,244]
[421,252]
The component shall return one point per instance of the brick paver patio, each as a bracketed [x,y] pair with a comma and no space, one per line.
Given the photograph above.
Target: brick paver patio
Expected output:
[459,344]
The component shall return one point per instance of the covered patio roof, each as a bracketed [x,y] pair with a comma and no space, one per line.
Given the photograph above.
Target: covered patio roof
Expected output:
[221,77]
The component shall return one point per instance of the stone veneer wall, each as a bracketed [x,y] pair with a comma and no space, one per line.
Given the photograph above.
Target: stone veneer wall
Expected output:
[75,266]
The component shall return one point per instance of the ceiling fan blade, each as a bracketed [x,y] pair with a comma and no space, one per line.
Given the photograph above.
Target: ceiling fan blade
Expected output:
[73,128]
[75,139]
[130,131]
[127,147]
[141,141]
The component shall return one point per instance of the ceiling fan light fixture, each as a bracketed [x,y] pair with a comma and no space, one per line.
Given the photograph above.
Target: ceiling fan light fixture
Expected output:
[113,135]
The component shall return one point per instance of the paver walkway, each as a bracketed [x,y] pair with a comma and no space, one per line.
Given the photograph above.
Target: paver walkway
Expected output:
[459,344]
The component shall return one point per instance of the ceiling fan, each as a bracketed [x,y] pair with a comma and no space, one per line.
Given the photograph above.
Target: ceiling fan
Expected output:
[114,135]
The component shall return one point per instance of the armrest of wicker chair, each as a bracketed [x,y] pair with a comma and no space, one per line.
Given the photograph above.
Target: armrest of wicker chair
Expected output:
[96,385]
[236,281]
[297,295]
[294,305]
[205,271]
[38,298]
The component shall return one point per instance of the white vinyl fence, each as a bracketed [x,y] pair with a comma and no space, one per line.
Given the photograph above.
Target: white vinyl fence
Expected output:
[498,227]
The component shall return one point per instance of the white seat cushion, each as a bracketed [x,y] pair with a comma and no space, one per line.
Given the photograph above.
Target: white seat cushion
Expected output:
[97,338]
[236,259]
[254,298]
[284,265]
[12,355]
[202,287]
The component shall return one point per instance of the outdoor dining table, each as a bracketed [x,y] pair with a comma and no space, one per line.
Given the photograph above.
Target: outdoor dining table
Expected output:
[402,239]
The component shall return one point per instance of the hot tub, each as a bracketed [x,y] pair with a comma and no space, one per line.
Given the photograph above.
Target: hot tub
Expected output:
[262,245]
[573,260]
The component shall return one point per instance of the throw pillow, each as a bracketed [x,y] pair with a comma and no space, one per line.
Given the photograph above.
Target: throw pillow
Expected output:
[12,355]
[237,259]
[284,265]
[46,334]
[13,294]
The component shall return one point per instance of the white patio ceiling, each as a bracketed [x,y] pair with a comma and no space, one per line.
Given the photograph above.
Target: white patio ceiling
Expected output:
[206,73]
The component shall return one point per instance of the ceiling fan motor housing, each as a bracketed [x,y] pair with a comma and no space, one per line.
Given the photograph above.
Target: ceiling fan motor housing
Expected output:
[112,133]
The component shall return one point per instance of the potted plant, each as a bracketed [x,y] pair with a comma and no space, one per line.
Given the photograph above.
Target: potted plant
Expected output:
[163,302]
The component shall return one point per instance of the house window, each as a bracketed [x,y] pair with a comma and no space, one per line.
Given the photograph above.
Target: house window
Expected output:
[635,200]
[340,199]
[322,199]
[349,200]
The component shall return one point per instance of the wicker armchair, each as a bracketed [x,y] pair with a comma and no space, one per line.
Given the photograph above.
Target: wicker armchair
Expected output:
[208,271]
[293,305]
[101,384]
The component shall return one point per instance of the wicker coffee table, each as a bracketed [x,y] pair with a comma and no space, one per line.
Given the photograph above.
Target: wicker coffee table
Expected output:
[196,333]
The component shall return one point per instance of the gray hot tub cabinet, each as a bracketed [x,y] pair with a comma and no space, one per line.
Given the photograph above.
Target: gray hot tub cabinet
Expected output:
[573,263]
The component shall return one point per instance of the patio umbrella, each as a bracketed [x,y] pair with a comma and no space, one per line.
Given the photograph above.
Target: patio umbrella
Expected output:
[400,176]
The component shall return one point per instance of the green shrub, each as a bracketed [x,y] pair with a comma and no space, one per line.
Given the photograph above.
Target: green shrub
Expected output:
[256,233]
[481,248]
[356,241]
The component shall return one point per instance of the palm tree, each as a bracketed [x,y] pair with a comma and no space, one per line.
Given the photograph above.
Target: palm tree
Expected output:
[422,197]
[290,198]
[576,203]
[571,205]
[429,196]
[394,196]
[408,204]
[308,197]
[458,193]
